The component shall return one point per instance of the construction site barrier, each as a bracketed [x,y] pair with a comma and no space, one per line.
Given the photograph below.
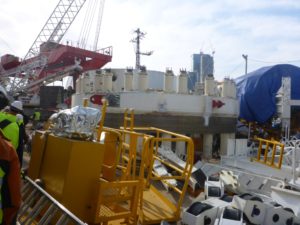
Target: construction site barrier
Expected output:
[267,150]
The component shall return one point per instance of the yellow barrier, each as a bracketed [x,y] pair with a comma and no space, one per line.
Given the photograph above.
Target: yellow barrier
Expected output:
[128,119]
[101,123]
[263,150]
[117,201]
[155,205]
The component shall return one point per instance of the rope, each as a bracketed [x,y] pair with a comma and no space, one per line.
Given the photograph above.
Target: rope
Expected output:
[86,27]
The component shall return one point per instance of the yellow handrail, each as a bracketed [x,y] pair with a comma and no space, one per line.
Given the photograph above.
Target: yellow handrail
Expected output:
[103,114]
[128,119]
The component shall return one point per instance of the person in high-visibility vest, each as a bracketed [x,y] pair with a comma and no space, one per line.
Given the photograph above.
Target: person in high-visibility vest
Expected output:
[10,184]
[36,118]
[12,126]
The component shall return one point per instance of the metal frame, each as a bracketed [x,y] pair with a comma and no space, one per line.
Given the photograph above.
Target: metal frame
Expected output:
[36,200]
[265,160]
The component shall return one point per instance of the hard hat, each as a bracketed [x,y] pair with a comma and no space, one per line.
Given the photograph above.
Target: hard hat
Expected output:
[16,106]
[19,118]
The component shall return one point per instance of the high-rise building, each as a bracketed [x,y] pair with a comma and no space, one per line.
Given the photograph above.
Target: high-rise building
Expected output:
[202,65]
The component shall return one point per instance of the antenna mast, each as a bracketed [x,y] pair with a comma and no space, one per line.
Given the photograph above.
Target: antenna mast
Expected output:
[139,36]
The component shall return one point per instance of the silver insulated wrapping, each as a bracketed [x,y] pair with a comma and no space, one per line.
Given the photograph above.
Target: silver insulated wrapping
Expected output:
[78,122]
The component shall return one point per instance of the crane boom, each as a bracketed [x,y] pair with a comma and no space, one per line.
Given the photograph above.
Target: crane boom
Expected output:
[48,59]
[57,25]
[53,31]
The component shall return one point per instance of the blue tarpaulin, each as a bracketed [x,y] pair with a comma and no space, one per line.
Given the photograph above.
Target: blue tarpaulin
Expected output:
[257,91]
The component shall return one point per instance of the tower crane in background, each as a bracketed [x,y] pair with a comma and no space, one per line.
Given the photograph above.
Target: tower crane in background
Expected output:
[48,60]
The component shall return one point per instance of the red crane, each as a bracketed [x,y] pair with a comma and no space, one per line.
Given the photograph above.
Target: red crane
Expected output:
[48,60]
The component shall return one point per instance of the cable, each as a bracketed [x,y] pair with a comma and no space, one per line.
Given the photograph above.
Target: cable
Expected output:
[90,22]
[7,45]
[99,21]
[80,38]
[235,68]
[87,24]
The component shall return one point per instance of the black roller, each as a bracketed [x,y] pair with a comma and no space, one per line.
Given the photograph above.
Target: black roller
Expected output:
[226,198]
[214,191]
[246,196]
[255,198]
[198,207]
[289,210]
[213,178]
[232,214]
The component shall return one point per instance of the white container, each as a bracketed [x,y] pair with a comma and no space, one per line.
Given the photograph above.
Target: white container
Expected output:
[226,88]
[99,82]
[210,88]
[183,83]
[168,81]
[142,81]
[128,81]
[85,83]
[107,81]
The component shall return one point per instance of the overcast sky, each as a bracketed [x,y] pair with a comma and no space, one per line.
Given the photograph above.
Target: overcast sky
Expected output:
[268,31]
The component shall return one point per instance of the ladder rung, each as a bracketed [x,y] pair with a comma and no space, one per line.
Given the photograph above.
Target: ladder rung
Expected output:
[49,214]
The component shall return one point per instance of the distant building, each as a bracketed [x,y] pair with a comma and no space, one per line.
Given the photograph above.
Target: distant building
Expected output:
[202,65]
[192,79]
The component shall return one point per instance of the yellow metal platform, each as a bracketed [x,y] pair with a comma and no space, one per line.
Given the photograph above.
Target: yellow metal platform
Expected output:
[156,207]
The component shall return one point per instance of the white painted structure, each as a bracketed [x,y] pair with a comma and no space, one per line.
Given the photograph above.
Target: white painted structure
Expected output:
[180,103]
[107,81]
[210,86]
[182,82]
[143,81]
[128,80]
[228,88]
[286,102]
[169,81]
[152,91]
[98,81]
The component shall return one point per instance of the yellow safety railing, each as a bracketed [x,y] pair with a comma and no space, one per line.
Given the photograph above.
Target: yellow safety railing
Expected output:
[266,153]
[117,200]
[101,123]
[128,120]
[152,198]
[156,206]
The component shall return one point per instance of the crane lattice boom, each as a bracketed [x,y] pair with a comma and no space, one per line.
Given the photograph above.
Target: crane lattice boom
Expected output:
[47,59]
[57,25]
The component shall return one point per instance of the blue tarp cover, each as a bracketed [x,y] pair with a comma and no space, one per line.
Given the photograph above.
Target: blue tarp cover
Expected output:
[257,91]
